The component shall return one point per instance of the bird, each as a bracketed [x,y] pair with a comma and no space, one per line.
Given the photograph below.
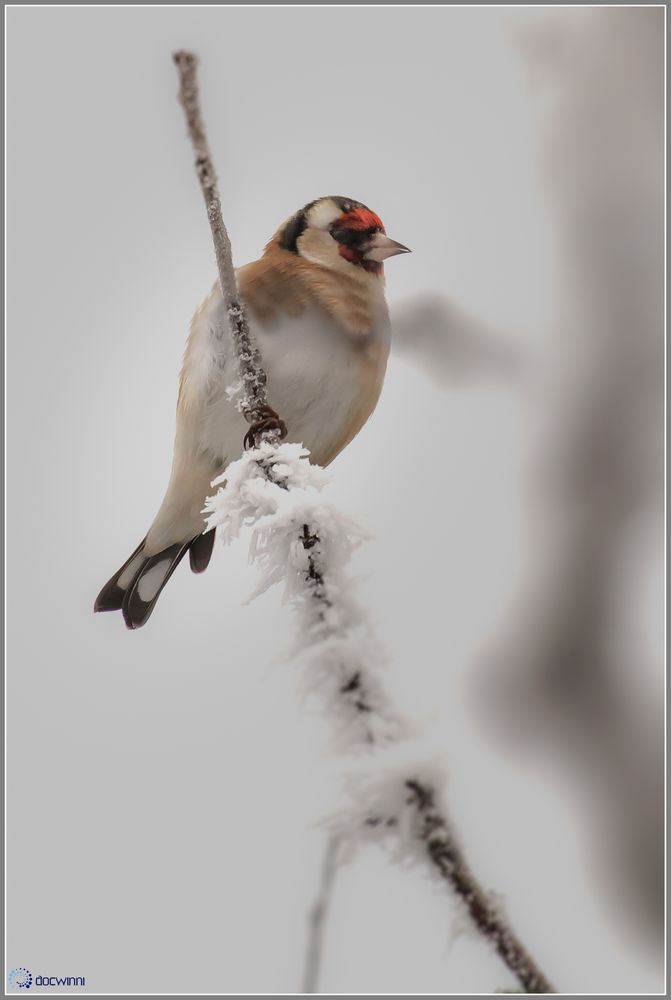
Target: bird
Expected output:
[316,305]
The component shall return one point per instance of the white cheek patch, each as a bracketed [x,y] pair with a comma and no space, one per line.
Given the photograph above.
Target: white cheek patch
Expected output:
[152,580]
[323,214]
[318,246]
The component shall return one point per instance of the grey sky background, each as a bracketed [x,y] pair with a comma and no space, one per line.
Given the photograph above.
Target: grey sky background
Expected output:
[164,785]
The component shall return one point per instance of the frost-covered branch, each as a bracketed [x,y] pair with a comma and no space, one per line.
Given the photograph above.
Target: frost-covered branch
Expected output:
[302,542]
[447,857]
[392,788]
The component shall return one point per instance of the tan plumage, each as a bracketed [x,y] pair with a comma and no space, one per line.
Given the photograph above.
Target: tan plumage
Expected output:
[316,305]
[281,281]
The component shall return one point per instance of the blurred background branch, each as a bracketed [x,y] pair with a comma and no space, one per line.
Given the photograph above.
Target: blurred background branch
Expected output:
[451,344]
[572,674]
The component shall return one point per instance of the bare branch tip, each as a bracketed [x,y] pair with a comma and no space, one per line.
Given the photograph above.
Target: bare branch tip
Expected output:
[185,59]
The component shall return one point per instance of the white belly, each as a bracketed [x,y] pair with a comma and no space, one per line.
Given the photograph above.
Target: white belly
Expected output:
[315,378]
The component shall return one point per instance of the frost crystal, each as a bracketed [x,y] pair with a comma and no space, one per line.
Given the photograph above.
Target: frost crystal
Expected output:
[302,542]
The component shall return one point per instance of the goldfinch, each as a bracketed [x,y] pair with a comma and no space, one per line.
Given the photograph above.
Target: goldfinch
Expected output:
[317,307]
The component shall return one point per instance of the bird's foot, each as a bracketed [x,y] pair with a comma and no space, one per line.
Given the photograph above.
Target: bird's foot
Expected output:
[267,420]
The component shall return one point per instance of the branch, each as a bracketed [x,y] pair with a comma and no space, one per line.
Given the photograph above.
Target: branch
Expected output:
[450,343]
[276,491]
[266,425]
[299,540]
[318,915]
[448,860]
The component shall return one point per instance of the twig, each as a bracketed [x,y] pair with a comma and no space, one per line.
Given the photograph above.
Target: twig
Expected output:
[266,425]
[318,914]
[447,857]
[321,601]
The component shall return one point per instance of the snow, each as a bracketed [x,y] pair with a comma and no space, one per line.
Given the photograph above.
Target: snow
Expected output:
[303,543]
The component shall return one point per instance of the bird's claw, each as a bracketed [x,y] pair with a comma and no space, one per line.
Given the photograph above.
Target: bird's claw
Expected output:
[267,420]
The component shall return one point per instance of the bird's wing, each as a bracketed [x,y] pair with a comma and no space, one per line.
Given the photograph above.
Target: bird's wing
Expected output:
[201,361]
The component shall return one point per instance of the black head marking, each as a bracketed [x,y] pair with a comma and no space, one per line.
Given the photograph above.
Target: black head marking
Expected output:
[294,228]
[297,224]
[346,204]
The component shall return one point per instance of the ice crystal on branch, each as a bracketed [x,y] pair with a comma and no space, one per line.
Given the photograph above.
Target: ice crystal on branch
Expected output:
[300,541]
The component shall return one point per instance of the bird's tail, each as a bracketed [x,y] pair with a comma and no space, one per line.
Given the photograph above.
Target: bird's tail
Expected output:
[136,586]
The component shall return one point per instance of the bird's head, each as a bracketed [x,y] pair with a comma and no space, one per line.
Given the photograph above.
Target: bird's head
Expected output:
[339,233]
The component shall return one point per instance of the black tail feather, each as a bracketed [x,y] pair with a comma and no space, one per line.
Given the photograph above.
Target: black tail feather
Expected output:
[200,551]
[143,593]
[137,594]
[111,596]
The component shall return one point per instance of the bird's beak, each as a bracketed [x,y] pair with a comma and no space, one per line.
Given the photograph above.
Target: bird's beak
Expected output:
[380,247]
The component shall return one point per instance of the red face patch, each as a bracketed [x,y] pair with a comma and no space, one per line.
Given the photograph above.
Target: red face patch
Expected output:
[360,219]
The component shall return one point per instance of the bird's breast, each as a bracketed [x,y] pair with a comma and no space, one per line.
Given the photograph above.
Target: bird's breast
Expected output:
[322,381]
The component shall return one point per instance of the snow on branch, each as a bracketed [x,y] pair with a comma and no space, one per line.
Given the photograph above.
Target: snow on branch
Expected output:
[302,543]
[394,776]
[400,802]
